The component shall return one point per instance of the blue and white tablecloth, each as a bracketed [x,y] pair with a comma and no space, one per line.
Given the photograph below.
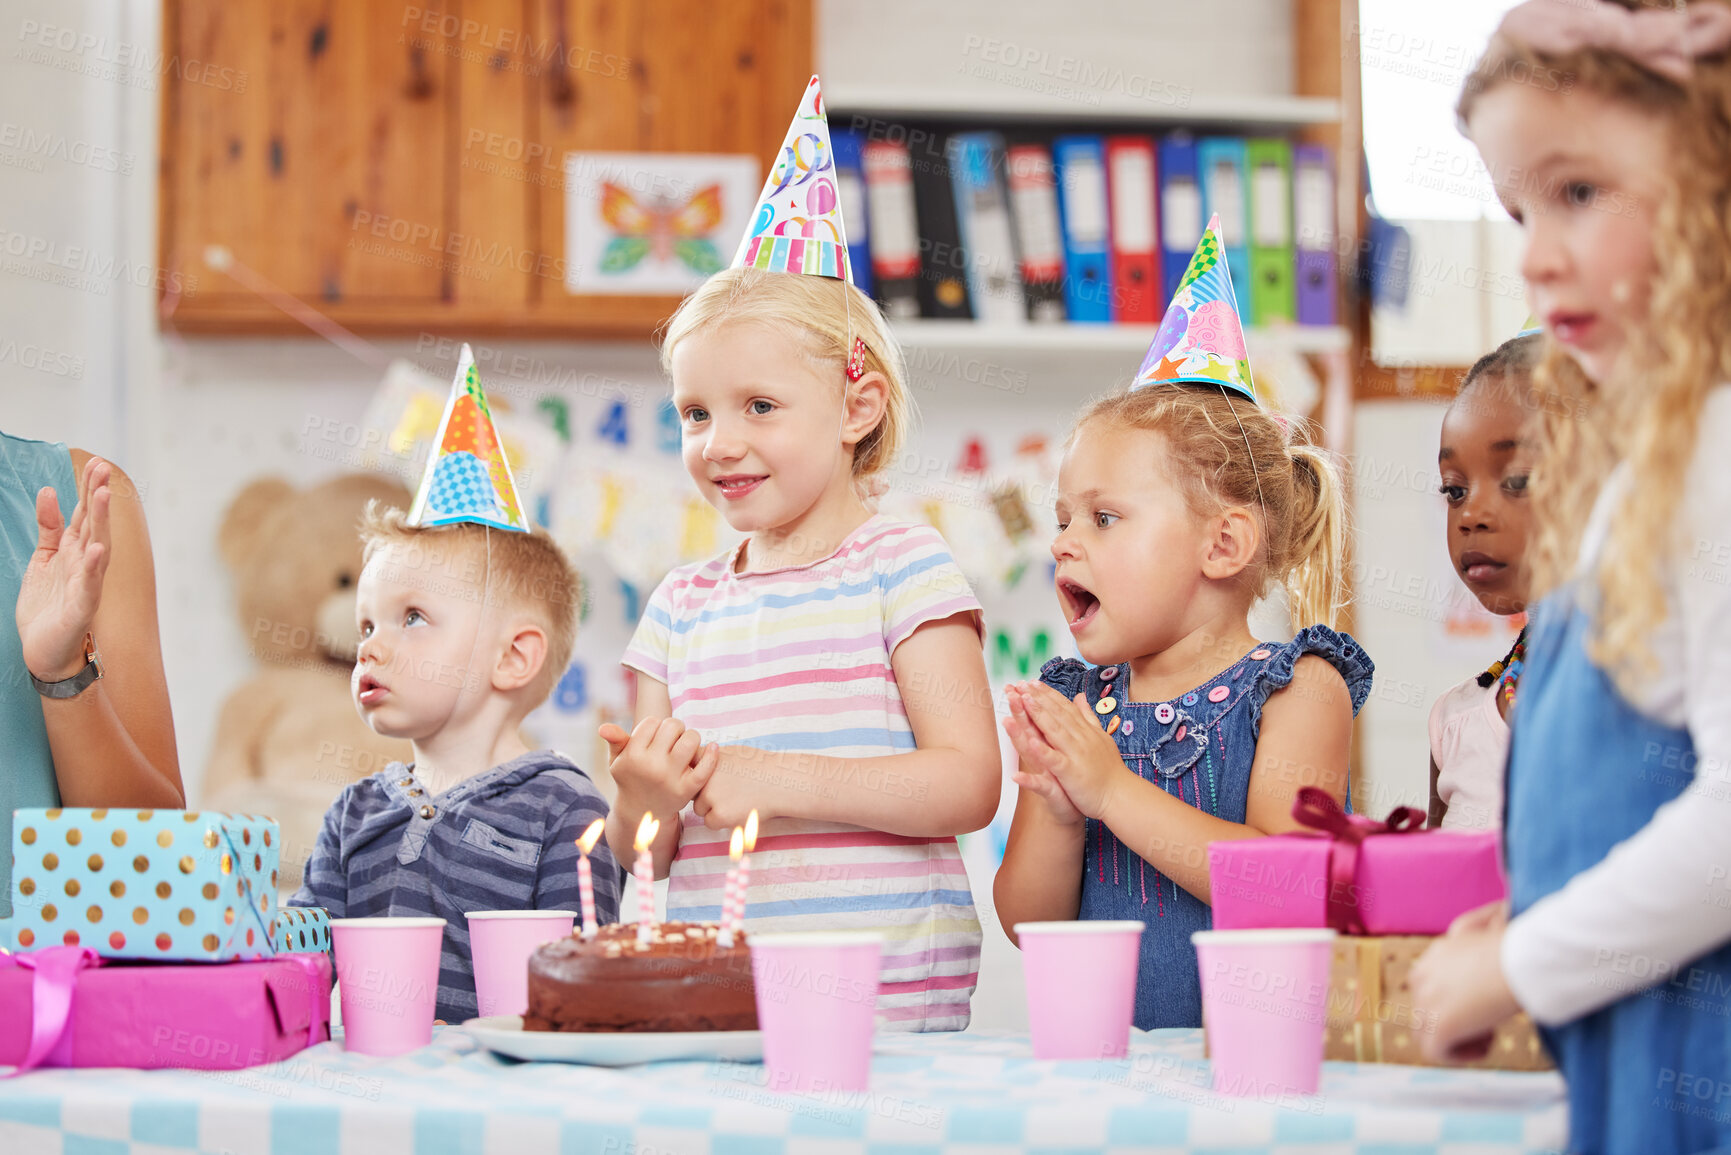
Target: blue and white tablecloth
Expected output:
[976,1093]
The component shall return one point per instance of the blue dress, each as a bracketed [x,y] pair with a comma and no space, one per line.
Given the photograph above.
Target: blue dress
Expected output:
[1652,1072]
[1199,748]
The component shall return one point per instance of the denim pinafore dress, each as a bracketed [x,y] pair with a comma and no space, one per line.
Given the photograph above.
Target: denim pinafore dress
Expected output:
[1198,747]
[1586,771]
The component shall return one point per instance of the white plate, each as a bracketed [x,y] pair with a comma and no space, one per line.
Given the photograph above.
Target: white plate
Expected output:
[505,1034]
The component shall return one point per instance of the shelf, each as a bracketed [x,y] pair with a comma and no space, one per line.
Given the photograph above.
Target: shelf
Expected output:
[1106,340]
[1010,105]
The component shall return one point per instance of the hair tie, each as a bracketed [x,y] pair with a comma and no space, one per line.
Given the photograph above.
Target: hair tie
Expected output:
[856,360]
[1666,41]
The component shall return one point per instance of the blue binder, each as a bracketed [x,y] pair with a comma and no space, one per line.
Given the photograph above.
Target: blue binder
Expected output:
[1181,215]
[850,190]
[1081,163]
[1225,176]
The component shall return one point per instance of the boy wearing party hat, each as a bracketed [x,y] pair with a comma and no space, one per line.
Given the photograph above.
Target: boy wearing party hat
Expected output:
[1181,501]
[467,618]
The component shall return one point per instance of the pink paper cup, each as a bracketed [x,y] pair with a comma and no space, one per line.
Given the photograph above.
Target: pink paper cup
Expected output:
[817,998]
[1081,983]
[500,943]
[388,978]
[1264,1005]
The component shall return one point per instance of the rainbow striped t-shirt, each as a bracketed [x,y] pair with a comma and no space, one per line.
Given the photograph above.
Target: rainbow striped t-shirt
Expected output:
[798,659]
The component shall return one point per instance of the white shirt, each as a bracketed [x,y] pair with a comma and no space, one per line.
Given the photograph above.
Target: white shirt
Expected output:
[1469,742]
[1663,897]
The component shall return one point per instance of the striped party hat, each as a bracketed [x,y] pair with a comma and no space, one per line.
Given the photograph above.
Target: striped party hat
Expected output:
[798,227]
[468,478]
[1201,340]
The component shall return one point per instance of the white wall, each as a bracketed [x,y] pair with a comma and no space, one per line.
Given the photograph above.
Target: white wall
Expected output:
[194,420]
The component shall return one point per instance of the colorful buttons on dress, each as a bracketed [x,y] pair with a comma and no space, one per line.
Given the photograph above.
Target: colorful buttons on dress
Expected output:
[1219,694]
[1129,726]
[1106,690]
[1190,698]
[1112,726]
[1108,673]
[1261,655]
[1164,713]
[1182,730]
[1105,705]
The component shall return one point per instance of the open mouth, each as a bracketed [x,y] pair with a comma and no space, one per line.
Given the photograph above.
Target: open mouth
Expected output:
[1080,604]
[369,691]
[736,485]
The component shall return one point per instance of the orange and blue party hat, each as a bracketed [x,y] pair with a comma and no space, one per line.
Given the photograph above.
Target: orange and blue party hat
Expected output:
[1201,340]
[468,478]
[797,227]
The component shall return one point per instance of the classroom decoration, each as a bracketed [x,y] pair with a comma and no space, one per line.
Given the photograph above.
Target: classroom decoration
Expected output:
[1354,874]
[62,1007]
[301,930]
[1370,1007]
[798,227]
[467,477]
[185,885]
[1201,339]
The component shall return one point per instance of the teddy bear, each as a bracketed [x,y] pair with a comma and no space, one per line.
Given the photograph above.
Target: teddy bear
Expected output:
[289,739]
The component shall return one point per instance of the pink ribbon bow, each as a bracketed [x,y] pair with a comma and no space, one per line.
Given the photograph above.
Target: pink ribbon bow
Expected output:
[1319,811]
[1661,40]
[56,970]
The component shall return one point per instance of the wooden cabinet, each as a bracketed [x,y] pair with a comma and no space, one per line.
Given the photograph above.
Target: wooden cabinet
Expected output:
[400,167]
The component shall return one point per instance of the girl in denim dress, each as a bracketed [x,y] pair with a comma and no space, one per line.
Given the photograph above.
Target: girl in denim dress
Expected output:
[1179,506]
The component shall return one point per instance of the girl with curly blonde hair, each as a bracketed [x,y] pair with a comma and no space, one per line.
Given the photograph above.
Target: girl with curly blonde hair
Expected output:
[1606,126]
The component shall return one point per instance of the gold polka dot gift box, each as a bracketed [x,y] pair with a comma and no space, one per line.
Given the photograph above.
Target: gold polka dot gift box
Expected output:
[181,885]
[302,930]
[1372,1017]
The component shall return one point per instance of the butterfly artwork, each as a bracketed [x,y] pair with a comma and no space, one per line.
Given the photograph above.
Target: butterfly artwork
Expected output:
[661,229]
[653,222]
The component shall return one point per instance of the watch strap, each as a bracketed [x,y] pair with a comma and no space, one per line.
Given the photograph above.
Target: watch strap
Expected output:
[77,683]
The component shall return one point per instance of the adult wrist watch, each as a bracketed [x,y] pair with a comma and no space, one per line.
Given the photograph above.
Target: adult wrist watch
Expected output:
[77,683]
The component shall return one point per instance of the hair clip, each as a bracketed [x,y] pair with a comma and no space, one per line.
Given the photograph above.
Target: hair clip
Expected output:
[856,360]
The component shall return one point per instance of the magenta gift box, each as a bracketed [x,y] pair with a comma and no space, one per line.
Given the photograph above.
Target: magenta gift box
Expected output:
[212,1017]
[1405,883]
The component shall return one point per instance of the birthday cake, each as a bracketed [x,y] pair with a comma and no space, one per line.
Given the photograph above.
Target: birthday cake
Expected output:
[681,980]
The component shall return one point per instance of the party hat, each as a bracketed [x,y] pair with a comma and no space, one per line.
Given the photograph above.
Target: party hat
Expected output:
[468,478]
[797,227]
[1531,327]
[1201,340]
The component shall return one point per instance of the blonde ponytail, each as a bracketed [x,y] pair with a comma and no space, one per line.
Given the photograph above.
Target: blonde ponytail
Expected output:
[1316,564]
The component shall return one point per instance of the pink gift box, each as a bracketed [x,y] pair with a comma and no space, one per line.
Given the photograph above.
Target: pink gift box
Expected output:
[62,1007]
[1411,882]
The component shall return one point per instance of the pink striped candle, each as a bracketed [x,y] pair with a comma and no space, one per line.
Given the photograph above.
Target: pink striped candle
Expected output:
[750,840]
[585,880]
[644,872]
[730,894]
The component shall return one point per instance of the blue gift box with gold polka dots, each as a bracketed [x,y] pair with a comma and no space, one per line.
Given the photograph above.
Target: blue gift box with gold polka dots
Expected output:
[302,930]
[181,885]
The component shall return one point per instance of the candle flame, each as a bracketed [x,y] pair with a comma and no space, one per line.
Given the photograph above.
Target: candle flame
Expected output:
[736,846]
[646,831]
[592,835]
[751,832]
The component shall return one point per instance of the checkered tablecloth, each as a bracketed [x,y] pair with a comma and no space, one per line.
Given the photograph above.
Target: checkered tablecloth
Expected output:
[977,1093]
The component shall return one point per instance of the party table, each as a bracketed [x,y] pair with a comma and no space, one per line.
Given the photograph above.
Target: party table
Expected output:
[971,1092]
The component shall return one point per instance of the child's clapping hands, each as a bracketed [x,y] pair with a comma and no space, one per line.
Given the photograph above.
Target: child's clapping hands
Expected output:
[660,765]
[1067,758]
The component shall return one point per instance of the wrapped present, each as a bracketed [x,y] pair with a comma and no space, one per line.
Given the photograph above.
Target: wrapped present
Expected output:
[1371,1017]
[65,1006]
[1354,874]
[301,930]
[167,885]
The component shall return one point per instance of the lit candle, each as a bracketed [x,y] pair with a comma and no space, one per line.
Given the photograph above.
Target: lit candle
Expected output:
[585,880]
[730,892]
[645,874]
[744,873]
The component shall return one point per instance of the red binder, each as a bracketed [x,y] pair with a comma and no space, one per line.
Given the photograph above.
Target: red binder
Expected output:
[1130,192]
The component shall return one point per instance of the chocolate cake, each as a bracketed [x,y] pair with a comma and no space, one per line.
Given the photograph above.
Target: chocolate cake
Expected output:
[680,981]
